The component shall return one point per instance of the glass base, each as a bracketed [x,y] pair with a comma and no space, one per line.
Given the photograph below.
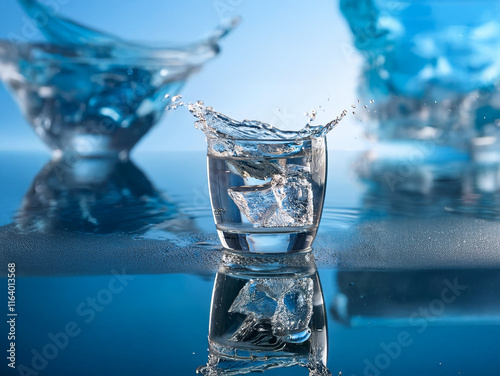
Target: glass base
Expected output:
[267,240]
[226,361]
[230,366]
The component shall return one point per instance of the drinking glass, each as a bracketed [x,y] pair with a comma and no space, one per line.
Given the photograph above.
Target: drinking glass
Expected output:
[267,195]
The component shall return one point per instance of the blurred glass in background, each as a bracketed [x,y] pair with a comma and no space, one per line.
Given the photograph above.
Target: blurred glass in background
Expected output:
[432,67]
[89,92]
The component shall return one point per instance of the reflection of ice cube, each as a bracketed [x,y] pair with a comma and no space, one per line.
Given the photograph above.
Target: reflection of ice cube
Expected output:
[256,298]
[286,201]
[286,303]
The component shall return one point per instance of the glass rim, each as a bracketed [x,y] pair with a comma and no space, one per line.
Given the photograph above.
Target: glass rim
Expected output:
[191,55]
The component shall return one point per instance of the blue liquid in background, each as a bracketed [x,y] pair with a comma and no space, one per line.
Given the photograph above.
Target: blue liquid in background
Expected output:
[413,47]
[433,69]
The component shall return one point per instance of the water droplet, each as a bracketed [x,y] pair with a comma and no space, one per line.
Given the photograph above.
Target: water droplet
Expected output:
[372,101]
[353,105]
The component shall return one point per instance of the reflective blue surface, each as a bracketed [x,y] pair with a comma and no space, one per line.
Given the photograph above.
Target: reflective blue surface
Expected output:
[409,274]
[159,324]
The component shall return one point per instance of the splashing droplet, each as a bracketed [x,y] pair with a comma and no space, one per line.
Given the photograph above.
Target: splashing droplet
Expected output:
[312,117]
[219,126]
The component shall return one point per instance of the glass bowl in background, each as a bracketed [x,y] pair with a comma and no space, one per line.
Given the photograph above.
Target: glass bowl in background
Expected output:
[96,100]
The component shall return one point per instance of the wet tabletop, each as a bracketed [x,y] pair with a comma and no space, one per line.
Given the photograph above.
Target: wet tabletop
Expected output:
[407,257]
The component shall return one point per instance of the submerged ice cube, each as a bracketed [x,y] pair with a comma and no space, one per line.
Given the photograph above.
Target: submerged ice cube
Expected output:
[286,304]
[257,169]
[286,201]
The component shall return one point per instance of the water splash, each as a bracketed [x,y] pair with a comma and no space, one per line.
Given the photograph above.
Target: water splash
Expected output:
[216,125]
[61,30]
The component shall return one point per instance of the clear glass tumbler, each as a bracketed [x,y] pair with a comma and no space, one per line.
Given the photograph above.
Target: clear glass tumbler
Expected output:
[267,195]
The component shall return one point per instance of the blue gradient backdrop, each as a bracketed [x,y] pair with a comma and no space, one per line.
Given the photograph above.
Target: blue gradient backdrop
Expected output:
[292,56]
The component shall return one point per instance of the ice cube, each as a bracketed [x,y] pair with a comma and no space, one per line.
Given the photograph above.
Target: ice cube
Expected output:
[256,298]
[257,169]
[296,194]
[294,311]
[286,303]
[256,202]
[286,201]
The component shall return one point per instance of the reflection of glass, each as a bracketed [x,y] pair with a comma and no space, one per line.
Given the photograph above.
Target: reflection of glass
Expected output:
[95,195]
[267,195]
[432,66]
[267,313]
[412,187]
[406,298]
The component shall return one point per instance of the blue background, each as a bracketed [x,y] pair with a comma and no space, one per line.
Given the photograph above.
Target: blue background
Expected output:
[293,56]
